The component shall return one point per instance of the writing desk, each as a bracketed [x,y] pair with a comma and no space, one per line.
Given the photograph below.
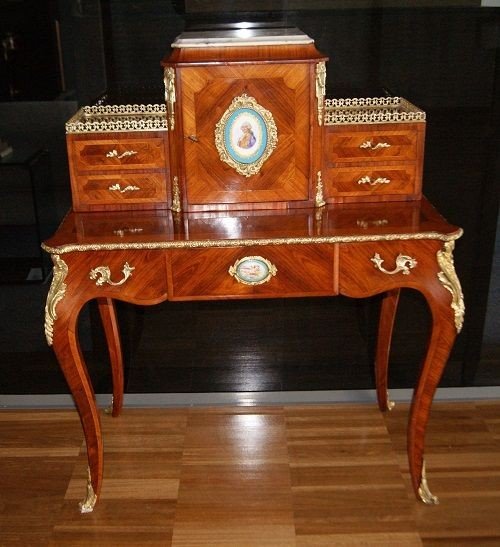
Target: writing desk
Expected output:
[357,250]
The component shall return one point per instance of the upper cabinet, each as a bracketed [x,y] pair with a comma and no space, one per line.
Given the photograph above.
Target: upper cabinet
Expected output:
[245,112]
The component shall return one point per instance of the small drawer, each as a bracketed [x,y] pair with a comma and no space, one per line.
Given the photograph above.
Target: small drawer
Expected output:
[252,272]
[124,227]
[346,145]
[122,190]
[374,218]
[118,154]
[373,267]
[368,181]
[136,276]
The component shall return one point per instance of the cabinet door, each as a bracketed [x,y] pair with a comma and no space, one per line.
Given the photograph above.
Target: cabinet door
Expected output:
[209,94]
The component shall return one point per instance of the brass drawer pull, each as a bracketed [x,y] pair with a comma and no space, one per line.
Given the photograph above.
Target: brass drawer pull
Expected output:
[114,154]
[404,264]
[367,223]
[370,146]
[367,180]
[252,270]
[129,188]
[121,232]
[102,275]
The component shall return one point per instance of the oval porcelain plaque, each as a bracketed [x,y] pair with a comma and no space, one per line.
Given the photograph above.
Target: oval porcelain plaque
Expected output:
[253,270]
[246,135]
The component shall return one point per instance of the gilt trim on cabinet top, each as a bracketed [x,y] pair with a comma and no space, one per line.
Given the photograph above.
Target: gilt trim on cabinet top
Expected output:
[118,118]
[371,110]
[217,243]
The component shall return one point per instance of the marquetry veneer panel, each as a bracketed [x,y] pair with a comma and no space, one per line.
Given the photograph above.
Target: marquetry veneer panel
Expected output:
[121,188]
[207,92]
[121,274]
[117,152]
[302,270]
[360,276]
[119,170]
[373,162]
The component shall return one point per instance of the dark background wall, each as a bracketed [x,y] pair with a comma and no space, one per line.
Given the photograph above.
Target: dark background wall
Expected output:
[443,56]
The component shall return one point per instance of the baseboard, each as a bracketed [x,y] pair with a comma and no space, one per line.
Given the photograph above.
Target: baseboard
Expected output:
[249,398]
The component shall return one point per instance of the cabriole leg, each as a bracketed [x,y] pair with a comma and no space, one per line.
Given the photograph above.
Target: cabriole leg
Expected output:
[61,315]
[109,320]
[447,319]
[441,341]
[67,350]
[385,328]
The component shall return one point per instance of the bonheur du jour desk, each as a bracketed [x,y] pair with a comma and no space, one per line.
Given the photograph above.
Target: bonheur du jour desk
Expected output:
[357,250]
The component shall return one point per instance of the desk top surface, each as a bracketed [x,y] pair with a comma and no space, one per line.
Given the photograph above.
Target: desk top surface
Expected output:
[163,229]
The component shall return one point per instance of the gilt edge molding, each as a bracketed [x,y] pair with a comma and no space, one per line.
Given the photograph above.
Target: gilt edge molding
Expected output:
[217,243]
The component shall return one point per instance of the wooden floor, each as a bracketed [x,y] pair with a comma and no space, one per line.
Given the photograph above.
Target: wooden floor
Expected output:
[252,476]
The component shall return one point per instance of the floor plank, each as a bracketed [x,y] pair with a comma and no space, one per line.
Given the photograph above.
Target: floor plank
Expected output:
[235,480]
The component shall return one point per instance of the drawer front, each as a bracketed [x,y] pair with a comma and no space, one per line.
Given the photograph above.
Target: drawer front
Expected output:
[373,267]
[374,218]
[252,272]
[369,181]
[118,154]
[344,145]
[123,227]
[134,275]
[121,190]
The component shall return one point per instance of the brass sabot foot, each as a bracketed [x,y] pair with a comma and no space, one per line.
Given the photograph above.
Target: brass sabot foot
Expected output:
[109,409]
[423,490]
[87,505]
[390,404]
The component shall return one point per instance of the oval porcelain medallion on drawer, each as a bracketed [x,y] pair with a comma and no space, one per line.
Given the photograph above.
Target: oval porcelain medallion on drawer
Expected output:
[274,271]
[253,270]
